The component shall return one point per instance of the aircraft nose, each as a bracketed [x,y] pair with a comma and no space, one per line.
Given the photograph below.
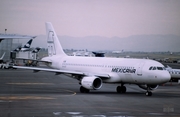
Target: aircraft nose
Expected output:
[166,77]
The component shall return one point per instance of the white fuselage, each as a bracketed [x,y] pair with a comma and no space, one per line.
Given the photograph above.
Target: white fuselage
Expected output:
[120,70]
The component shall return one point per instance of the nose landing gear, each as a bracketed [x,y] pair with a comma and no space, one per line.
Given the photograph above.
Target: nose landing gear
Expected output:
[148,93]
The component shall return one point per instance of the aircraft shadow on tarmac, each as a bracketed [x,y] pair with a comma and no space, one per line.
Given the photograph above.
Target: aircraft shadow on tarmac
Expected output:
[133,94]
[50,90]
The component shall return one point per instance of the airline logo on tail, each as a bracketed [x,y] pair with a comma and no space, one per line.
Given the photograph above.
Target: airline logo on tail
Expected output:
[50,42]
[28,44]
[26,47]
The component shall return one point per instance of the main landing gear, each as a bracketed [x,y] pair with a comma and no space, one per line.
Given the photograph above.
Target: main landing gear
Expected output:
[121,89]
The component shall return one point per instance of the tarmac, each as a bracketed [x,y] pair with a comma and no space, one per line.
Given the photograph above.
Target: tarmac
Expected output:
[44,94]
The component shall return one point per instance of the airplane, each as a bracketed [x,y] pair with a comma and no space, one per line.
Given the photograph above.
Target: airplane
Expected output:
[118,52]
[92,72]
[36,50]
[175,73]
[26,47]
[98,54]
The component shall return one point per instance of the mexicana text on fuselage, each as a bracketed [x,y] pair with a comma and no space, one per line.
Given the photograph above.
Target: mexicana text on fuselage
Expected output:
[123,70]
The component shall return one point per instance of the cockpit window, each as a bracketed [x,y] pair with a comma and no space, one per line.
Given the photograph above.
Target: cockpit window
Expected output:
[150,68]
[157,68]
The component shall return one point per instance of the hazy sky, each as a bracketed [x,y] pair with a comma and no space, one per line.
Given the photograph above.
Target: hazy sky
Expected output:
[81,18]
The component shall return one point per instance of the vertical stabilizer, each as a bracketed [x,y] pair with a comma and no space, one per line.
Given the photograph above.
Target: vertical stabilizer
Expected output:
[53,43]
[28,44]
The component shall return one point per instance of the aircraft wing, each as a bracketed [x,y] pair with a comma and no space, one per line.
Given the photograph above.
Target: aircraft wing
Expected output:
[37,69]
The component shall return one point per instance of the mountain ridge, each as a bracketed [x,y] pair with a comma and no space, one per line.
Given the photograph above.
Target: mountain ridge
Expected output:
[131,43]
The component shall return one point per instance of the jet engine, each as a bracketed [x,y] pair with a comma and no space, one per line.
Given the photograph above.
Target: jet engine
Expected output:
[151,87]
[91,82]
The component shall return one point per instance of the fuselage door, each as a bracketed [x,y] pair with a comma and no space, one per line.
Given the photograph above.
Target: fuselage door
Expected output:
[139,69]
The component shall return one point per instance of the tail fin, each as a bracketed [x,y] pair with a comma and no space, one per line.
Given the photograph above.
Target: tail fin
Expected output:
[28,44]
[26,47]
[36,50]
[53,43]
[17,49]
[2,56]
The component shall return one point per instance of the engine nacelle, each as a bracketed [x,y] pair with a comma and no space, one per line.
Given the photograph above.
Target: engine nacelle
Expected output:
[91,82]
[151,87]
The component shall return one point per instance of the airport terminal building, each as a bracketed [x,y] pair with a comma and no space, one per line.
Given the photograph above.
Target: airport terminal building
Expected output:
[7,45]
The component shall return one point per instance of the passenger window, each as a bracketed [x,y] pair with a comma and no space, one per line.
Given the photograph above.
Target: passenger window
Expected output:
[154,68]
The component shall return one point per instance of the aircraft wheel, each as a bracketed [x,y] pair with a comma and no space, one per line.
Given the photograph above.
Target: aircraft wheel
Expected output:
[148,93]
[118,89]
[84,90]
[121,89]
